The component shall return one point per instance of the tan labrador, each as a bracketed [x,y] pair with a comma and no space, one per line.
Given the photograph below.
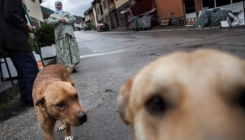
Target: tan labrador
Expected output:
[187,96]
[55,98]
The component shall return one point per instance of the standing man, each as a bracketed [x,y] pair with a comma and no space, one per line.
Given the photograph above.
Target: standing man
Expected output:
[16,43]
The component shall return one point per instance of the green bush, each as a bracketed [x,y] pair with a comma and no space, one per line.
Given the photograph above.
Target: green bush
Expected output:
[45,35]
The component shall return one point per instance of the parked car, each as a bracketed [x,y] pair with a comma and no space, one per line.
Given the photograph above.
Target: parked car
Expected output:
[102,27]
[87,27]
[78,28]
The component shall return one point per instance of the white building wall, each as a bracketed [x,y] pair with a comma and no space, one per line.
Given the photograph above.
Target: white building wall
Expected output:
[34,9]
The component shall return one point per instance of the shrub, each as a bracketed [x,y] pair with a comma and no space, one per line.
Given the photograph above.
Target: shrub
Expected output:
[45,35]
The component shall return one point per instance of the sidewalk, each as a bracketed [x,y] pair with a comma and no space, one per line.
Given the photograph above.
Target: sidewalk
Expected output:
[163,29]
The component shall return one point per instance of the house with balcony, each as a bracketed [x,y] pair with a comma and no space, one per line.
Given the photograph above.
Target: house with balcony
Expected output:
[186,9]
[121,13]
[34,10]
[101,10]
[89,16]
[112,8]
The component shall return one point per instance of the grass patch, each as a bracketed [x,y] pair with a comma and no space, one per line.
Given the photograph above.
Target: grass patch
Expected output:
[7,97]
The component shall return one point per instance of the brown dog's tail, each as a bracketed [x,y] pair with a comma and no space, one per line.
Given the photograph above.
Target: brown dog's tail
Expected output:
[71,68]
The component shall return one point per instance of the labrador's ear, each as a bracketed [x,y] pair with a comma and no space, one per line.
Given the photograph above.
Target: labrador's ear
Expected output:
[40,102]
[122,101]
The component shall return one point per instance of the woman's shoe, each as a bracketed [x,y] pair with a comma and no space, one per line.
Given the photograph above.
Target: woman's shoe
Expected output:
[74,71]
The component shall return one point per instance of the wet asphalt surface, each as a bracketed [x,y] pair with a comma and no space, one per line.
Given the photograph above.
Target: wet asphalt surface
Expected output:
[107,60]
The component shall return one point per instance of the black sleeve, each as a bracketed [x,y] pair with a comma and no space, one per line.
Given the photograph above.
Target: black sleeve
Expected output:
[11,12]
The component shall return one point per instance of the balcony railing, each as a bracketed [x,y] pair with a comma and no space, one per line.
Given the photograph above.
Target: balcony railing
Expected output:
[112,6]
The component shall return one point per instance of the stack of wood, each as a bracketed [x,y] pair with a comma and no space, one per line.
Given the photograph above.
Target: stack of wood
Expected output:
[164,21]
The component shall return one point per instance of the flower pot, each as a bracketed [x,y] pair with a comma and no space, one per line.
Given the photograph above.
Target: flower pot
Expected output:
[48,51]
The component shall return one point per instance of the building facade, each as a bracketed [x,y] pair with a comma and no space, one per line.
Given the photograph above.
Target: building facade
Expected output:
[102,11]
[120,17]
[34,11]
[191,8]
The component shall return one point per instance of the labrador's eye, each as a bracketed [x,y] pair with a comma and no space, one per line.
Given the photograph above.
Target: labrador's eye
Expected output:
[241,100]
[61,105]
[76,96]
[155,105]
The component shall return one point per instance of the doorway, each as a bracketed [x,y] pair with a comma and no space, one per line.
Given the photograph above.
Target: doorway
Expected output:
[116,20]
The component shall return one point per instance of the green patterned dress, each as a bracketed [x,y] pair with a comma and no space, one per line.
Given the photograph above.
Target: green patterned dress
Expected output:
[67,52]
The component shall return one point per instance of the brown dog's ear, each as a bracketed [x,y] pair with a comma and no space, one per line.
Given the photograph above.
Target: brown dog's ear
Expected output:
[40,102]
[122,101]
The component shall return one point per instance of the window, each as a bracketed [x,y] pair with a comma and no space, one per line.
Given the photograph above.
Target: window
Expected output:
[211,3]
[208,3]
[189,6]
[121,16]
[101,11]
[234,1]
[222,2]
[104,4]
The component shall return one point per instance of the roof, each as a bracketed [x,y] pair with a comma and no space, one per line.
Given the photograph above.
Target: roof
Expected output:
[78,17]
[95,1]
[49,12]
[46,10]
[88,11]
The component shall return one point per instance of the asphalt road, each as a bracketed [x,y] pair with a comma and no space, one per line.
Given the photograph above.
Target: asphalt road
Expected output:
[107,60]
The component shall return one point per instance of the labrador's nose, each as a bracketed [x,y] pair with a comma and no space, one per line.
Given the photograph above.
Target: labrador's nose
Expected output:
[82,117]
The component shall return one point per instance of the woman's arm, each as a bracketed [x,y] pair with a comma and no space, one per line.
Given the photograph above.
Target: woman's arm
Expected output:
[71,19]
[52,20]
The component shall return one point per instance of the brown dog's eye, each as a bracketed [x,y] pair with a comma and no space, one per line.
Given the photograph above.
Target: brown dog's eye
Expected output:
[155,105]
[76,96]
[60,105]
[241,101]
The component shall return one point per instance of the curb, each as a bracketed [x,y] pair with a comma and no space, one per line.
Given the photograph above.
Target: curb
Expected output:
[170,30]
[167,30]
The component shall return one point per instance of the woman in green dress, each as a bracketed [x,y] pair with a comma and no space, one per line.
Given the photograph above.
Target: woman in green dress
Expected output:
[67,53]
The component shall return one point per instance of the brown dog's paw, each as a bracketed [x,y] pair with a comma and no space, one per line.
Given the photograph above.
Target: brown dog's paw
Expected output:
[69,138]
[61,128]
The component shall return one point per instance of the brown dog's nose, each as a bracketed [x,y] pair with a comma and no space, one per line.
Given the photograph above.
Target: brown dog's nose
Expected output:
[82,117]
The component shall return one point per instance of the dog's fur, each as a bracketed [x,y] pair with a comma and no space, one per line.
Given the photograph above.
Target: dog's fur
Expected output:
[187,96]
[55,98]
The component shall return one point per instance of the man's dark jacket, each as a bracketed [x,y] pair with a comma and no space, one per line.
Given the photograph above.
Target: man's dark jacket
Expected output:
[14,29]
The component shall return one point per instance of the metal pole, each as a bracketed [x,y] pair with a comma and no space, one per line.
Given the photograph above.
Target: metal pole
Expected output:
[35,36]
[6,63]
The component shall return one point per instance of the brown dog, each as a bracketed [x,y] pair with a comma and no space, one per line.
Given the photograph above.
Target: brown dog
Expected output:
[55,98]
[187,96]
